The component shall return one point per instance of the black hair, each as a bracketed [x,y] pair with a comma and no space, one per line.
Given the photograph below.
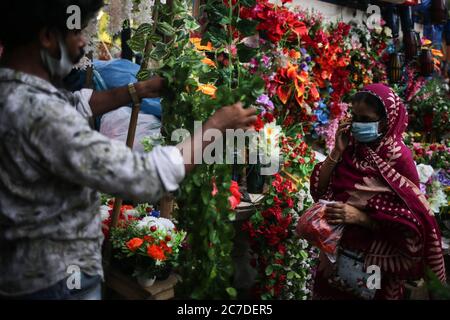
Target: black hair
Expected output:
[21,21]
[372,101]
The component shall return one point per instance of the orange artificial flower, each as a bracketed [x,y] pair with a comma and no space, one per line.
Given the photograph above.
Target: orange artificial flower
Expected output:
[283,93]
[426,42]
[437,53]
[292,71]
[156,252]
[134,244]
[209,62]
[294,54]
[198,44]
[314,93]
[208,89]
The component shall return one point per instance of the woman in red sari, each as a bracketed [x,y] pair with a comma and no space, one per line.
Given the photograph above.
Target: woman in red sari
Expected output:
[372,180]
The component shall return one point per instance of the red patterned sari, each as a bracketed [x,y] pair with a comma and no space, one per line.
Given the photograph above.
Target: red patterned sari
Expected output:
[383,182]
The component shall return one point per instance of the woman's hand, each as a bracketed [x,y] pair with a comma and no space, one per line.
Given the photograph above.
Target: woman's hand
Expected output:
[342,213]
[342,136]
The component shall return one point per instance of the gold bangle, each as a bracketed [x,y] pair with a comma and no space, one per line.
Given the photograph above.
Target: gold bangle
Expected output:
[332,160]
[134,95]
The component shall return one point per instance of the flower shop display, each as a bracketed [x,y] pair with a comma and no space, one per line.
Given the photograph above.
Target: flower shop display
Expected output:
[433,161]
[143,241]
[299,72]
[429,109]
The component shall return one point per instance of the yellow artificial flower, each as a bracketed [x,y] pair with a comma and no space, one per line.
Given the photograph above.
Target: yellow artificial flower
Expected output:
[209,62]
[208,89]
[198,44]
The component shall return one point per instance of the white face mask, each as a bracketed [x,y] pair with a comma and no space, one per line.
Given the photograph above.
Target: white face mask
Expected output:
[58,68]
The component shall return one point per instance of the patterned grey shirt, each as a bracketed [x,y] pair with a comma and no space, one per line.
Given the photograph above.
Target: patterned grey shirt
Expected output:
[52,165]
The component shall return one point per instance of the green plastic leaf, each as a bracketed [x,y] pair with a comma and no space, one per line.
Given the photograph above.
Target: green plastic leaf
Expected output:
[232,292]
[269,270]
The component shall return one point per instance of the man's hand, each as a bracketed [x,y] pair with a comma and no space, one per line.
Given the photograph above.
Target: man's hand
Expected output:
[151,88]
[342,213]
[233,117]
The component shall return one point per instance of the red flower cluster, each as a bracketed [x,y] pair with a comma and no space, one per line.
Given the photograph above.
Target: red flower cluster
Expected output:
[275,22]
[235,198]
[123,219]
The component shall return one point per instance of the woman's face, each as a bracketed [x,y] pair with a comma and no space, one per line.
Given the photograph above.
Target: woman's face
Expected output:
[361,112]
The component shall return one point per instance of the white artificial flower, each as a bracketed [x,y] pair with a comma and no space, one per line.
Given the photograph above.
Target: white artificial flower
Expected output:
[144,12]
[438,198]
[160,223]
[388,32]
[166,223]
[118,11]
[270,138]
[425,172]
[104,212]
[378,29]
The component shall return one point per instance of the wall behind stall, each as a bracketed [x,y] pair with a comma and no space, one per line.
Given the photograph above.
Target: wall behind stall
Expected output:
[333,12]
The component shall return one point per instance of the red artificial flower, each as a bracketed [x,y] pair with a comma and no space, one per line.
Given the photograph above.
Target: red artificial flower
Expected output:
[165,247]
[290,203]
[259,124]
[269,117]
[134,244]
[156,252]
[149,239]
[233,202]
[234,189]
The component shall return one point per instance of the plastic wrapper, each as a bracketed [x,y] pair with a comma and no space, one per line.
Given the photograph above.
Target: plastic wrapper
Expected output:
[115,125]
[314,228]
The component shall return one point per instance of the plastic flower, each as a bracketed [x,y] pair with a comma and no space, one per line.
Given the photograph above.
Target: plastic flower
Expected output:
[437,53]
[209,62]
[134,244]
[159,223]
[235,198]
[425,172]
[198,44]
[208,89]
[156,252]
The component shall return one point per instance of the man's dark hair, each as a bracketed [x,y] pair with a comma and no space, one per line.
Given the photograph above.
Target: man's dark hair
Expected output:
[372,101]
[21,21]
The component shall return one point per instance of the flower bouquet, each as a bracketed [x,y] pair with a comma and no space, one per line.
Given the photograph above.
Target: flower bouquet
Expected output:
[145,242]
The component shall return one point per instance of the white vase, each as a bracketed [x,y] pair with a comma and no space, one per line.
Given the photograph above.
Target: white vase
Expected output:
[146,282]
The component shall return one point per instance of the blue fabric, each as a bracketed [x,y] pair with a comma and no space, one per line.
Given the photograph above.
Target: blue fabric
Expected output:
[431,31]
[120,72]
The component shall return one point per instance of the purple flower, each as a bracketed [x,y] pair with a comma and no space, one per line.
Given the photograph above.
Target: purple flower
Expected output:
[266,61]
[304,67]
[265,101]
[303,51]
[423,188]
[443,179]
[308,59]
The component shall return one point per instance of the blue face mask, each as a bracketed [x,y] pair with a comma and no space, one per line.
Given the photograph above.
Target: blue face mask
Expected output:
[365,131]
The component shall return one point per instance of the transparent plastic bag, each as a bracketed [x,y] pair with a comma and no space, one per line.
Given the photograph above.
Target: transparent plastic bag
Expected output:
[314,228]
[115,125]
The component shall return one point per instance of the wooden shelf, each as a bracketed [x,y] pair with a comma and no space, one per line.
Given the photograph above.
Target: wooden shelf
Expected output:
[128,288]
